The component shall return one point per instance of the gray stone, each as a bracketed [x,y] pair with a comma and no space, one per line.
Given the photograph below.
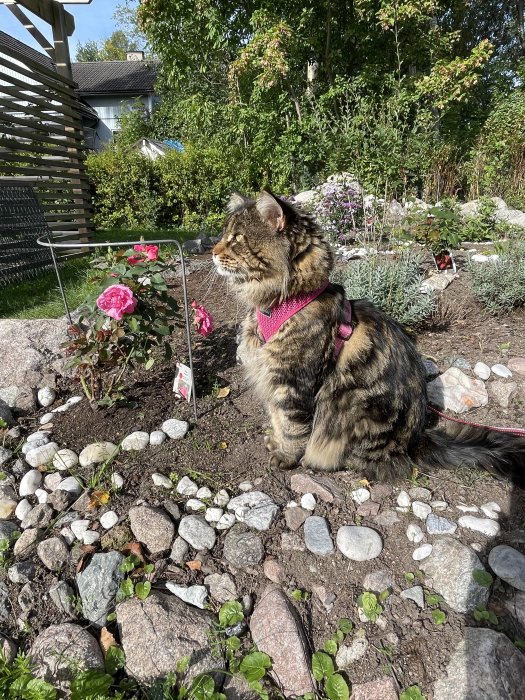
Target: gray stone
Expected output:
[455,391]
[415,594]
[422,552]
[136,441]
[237,688]
[175,429]
[5,455]
[39,516]
[30,482]
[251,499]
[63,596]
[277,630]
[5,605]
[153,527]
[19,398]
[487,526]
[157,437]
[431,369]
[96,453]
[380,689]
[509,565]
[53,553]
[213,515]
[159,631]
[461,363]
[194,595]
[242,547]
[516,607]
[65,459]
[196,531]
[347,655]
[45,396]
[482,371]
[387,518]
[414,533]
[6,529]
[261,517]
[162,480]
[418,493]
[295,517]
[60,500]
[61,651]
[71,484]
[26,542]
[484,666]
[502,392]
[436,525]
[187,487]
[41,455]
[517,366]
[173,509]
[26,599]
[179,551]
[451,566]
[501,371]
[359,543]
[378,581]
[421,510]
[317,536]
[98,584]
[8,648]
[324,487]
[403,500]
[22,572]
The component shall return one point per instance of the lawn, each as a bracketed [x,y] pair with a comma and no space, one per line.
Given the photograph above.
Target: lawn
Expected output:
[40,297]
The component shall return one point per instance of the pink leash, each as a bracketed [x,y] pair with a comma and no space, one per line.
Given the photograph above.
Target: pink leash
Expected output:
[518,432]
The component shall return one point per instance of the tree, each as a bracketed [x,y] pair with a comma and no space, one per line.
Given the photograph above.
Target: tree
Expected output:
[114,48]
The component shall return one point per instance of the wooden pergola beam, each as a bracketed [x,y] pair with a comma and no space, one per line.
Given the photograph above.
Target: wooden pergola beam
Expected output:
[46,10]
[35,33]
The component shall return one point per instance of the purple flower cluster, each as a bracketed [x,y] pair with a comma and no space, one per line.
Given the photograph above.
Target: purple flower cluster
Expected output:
[339,210]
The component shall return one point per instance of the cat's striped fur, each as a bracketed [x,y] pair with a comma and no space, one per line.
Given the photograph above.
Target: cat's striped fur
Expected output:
[367,408]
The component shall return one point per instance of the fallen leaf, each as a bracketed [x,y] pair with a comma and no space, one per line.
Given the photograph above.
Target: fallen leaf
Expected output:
[87,550]
[223,445]
[363,482]
[47,426]
[194,565]
[107,640]
[223,392]
[134,548]
[98,498]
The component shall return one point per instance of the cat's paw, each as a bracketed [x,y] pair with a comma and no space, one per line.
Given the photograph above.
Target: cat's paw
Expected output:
[270,443]
[280,461]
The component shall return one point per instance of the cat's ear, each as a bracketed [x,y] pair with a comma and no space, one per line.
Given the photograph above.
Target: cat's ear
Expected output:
[237,201]
[271,210]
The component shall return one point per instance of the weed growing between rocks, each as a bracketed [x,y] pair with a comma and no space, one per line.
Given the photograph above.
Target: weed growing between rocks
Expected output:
[500,284]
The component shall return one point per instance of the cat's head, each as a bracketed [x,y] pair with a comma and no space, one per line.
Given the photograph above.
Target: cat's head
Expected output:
[270,250]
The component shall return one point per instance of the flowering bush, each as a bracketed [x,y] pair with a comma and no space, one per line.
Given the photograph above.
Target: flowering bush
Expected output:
[133,314]
[338,207]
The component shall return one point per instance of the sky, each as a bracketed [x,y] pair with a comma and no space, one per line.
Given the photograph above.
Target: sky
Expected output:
[94,21]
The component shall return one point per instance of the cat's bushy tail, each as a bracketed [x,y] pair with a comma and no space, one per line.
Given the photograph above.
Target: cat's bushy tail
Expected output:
[500,454]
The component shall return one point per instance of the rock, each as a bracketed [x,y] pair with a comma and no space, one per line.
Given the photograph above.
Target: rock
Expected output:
[157,437]
[96,453]
[135,442]
[30,483]
[226,521]
[451,566]
[415,594]
[204,493]
[439,505]
[418,493]
[242,547]
[317,536]
[359,543]
[277,630]
[5,455]
[108,519]
[491,510]
[39,516]
[422,552]
[193,505]
[360,495]
[421,510]
[437,282]
[26,542]
[488,527]
[22,572]
[295,517]
[213,515]
[179,551]
[255,508]
[70,484]
[378,581]
[175,429]
[273,570]
[79,528]
[436,525]
[46,418]
[323,487]
[261,517]
[222,498]
[33,444]
[455,391]
[516,365]
[380,689]
[21,398]
[347,655]
[65,459]
[46,396]
[7,507]
[117,537]
[414,533]
[368,509]
[159,631]
[503,392]
[52,481]
[194,595]
[8,648]
[509,565]
[162,481]
[53,553]
[461,363]
[308,501]
[196,531]
[173,509]
[245,486]
[484,665]
[40,455]
[187,487]
[387,518]
[41,495]
[153,527]
[467,509]
[7,529]
[98,584]
[67,535]
[237,688]
[22,509]
[501,371]
[481,370]
[516,607]
[251,499]
[292,542]
[61,651]
[431,369]
[403,500]
[5,605]
[222,587]
[63,596]
[117,481]
[26,600]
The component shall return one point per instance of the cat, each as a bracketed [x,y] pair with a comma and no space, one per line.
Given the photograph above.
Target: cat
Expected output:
[364,407]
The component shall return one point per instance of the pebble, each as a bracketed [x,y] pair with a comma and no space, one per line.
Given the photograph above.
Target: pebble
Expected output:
[79,527]
[22,509]
[39,442]
[467,509]
[416,594]
[98,584]
[359,543]
[25,542]
[22,572]
[173,509]
[39,516]
[46,396]
[5,454]
[501,371]
[62,596]
[439,505]
[90,537]
[153,527]
[67,535]
[308,501]
[419,493]
[36,437]
[30,483]
[226,521]
[213,515]
[175,429]
[194,504]
[457,392]
[322,487]
[251,499]
[517,366]
[161,480]
[117,481]
[179,550]
[295,517]
[41,455]
[387,518]
[46,418]
[509,565]
[317,536]
[403,500]
[491,510]
[436,525]
[187,487]
[292,542]
[108,519]
[273,570]
[261,517]
[421,510]
[135,442]
[360,495]
[222,498]
[196,531]
[503,392]
[422,552]
[52,481]
[157,437]
[204,492]
[378,581]
[60,500]
[245,486]
[41,495]
[96,453]
[53,553]
[347,655]
[414,533]
[222,587]
[242,547]
[70,484]
[484,525]
[482,371]
[194,595]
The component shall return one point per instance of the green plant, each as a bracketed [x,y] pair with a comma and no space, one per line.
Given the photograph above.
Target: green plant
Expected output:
[369,604]
[500,284]
[481,614]
[17,682]
[334,684]
[394,285]
[412,693]
[299,595]
[439,228]
[482,578]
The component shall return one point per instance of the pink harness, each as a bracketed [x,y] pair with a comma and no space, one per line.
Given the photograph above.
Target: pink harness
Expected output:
[270,321]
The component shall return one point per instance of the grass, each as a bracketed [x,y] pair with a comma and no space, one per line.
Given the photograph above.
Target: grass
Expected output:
[40,297]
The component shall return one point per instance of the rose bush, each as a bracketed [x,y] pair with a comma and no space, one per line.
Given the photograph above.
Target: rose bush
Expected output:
[116,301]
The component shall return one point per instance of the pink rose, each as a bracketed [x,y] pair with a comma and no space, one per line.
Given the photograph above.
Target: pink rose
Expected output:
[135,259]
[152,251]
[117,300]
[203,320]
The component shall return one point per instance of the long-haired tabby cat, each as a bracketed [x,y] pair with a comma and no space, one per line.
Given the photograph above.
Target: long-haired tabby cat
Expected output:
[366,406]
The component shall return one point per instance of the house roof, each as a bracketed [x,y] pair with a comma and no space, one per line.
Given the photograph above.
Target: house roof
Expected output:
[12,46]
[115,77]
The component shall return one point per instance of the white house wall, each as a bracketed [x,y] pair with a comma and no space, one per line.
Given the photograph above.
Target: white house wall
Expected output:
[109,110]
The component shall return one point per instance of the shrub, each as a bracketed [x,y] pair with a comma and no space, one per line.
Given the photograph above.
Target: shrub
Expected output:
[338,207]
[500,284]
[393,285]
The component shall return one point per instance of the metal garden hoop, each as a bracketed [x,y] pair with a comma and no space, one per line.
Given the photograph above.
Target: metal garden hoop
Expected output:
[52,245]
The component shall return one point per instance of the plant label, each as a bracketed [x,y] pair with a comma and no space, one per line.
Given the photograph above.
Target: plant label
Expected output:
[183,382]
